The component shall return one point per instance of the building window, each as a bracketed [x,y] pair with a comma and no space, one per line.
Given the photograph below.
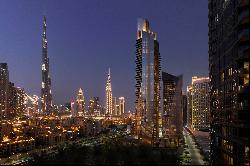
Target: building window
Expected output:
[246,73]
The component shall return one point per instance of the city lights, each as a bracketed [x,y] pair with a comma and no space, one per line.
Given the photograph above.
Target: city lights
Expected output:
[65,109]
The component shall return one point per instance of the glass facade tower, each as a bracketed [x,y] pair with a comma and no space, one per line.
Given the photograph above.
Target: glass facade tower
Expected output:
[46,96]
[148,74]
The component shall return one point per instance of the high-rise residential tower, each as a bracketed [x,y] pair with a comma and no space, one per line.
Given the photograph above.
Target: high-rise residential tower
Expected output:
[148,77]
[172,123]
[46,96]
[109,105]
[4,83]
[229,74]
[200,103]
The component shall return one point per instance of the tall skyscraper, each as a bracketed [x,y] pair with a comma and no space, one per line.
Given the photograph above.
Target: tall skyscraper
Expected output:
[35,104]
[80,102]
[229,74]
[97,106]
[4,83]
[20,101]
[114,110]
[148,77]
[172,108]
[121,105]
[91,106]
[73,110]
[46,96]
[200,103]
[109,105]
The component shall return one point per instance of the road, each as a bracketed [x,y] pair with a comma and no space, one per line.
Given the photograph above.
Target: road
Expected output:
[196,157]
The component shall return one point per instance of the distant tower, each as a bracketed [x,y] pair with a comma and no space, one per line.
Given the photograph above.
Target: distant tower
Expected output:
[80,101]
[109,105]
[4,83]
[46,97]
[35,104]
[73,114]
[121,105]
[114,111]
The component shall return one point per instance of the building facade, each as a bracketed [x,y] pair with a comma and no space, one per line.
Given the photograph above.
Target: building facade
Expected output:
[11,101]
[148,77]
[94,106]
[74,112]
[4,83]
[121,106]
[172,119]
[97,106]
[114,102]
[200,103]
[184,109]
[229,74]
[80,102]
[109,98]
[46,96]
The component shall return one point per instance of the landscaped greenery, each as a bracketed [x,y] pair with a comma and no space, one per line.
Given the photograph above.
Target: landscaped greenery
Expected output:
[113,152]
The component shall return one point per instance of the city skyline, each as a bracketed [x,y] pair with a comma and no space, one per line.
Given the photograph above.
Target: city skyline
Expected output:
[66,49]
[178,94]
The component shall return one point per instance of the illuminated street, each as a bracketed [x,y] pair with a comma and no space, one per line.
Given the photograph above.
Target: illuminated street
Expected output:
[196,157]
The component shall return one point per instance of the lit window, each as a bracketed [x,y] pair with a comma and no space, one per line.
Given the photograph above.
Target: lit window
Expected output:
[43,67]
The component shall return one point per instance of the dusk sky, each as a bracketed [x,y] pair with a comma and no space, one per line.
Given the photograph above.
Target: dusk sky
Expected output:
[85,38]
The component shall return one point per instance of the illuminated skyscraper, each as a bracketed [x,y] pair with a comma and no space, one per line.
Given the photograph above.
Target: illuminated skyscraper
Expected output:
[172,108]
[46,96]
[200,103]
[20,101]
[229,74]
[97,106]
[109,105]
[121,105]
[148,76]
[114,111]
[91,106]
[35,104]
[73,110]
[4,83]
[80,101]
